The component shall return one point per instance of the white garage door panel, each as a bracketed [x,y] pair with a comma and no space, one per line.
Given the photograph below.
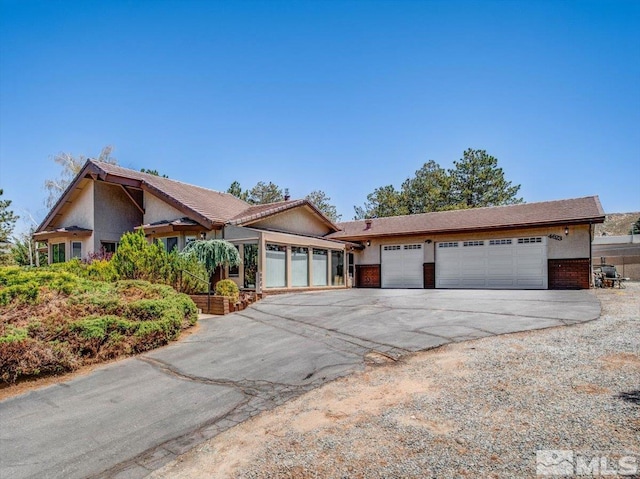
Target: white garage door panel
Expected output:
[513,263]
[402,266]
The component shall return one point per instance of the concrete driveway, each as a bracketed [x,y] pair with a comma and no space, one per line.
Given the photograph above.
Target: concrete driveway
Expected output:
[131,417]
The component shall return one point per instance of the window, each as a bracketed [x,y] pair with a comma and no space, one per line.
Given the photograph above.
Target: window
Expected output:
[351,264]
[529,240]
[392,248]
[337,268]
[57,253]
[450,244]
[499,242]
[250,261]
[299,266]
[276,268]
[169,243]
[234,271]
[109,246]
[320,265]
[413,246]
[473,243]
[76,249]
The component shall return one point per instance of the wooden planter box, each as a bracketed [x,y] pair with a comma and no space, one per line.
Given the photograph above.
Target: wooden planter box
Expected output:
[219,304]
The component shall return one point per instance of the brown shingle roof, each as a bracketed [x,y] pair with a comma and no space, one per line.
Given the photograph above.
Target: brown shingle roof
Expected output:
[570,211]
[256,212]
[214,206]
[208,207]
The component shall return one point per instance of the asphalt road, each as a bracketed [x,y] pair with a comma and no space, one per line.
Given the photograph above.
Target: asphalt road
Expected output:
[131,417]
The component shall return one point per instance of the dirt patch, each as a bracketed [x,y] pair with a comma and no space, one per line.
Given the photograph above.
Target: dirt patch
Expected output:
[621,360]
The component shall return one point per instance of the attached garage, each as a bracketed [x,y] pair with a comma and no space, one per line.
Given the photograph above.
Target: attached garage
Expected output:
[544,245]
[505,263]
[401,265]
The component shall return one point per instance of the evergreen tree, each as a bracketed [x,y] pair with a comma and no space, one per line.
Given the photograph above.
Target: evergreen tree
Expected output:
[477,181]
[322,202]
[7,223]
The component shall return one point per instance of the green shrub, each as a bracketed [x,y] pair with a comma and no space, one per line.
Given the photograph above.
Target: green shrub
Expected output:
[83,321]
[13,334]
[136,258]
[146,309]
[227,287]
[184,271]
[22,293]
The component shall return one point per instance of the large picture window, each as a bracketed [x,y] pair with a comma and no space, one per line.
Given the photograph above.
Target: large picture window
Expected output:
[276,274]
[337,268]
[57,253]
[320,265]
[299,266]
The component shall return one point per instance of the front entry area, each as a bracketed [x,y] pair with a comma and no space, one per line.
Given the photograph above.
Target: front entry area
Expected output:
[402,266]
[505,263]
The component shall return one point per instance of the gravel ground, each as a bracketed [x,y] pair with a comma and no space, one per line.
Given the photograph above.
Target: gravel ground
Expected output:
[475,409]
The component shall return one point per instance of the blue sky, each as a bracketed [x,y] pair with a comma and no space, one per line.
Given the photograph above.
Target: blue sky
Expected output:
[342,96]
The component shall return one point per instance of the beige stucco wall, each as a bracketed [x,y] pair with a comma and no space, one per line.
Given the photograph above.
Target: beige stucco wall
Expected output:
[80,211]
[115,214]
[240,233]
[301,220]
[157,210]
[573,245]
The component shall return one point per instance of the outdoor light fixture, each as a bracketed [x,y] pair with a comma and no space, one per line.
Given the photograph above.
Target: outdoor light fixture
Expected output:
[428,241]
[566,231]
[203,235]
[368,242]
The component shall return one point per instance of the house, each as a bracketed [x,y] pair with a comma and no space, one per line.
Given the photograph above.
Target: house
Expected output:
[283,245]
[291,245]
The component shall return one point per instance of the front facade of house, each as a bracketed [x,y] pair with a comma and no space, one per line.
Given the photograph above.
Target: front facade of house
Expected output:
[292,246]
[283,245]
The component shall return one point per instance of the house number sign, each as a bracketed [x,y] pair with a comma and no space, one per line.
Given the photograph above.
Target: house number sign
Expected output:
[555,237]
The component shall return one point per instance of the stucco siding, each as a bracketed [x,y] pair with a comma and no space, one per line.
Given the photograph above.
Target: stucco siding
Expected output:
[297,221]
[157,210]
[240,233]
[573,245]
[115,214]
[80,212]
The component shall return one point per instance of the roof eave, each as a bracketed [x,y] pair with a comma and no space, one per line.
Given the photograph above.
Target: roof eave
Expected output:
[88,168]
[372,233]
